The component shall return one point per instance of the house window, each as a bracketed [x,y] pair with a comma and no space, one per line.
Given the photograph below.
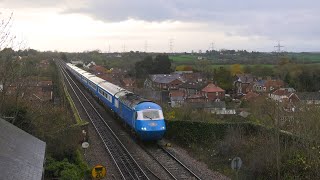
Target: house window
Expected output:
[217,94]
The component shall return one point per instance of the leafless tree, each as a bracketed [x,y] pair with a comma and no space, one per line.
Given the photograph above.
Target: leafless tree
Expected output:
[6,36]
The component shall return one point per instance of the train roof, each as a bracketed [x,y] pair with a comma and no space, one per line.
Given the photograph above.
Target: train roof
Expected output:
[88,75]
[96,80]
[111,88]
[79,70]
[132,100]
[125,96]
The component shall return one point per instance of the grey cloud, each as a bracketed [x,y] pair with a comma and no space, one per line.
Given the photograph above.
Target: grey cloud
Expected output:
[13,4]
[268,18]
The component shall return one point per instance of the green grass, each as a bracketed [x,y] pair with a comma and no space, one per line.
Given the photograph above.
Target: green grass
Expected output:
[313,57]
[227,66]
[73,108]
[183,58]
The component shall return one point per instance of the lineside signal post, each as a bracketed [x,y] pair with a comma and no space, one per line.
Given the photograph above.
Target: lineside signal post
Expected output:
[98,172]
[236,164]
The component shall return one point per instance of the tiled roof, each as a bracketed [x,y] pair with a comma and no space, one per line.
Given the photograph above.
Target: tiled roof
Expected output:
[193,85]
[260,83]
[212,88]
[250,95]
[98,69]
[165,78]
[245,78]
[21,154]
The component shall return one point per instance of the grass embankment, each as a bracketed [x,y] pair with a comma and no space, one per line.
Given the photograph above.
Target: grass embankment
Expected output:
[216,144]
[75,111]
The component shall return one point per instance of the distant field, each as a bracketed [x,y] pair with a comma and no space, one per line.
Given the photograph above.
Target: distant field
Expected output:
[183,58]
[227,66]
[314,57]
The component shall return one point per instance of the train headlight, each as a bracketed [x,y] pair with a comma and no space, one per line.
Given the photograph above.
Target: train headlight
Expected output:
[163,127]
[144,128]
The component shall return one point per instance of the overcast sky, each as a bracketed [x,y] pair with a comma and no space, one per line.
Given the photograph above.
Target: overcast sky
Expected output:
[79,25]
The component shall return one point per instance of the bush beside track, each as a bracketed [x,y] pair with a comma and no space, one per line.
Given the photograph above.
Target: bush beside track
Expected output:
[216,144]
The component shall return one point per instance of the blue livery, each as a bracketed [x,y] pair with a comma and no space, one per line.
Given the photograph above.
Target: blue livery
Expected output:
[143,116]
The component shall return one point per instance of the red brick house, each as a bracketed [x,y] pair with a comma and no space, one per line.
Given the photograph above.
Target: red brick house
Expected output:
[213,92]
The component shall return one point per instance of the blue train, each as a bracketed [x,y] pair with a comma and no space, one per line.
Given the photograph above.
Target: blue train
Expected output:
[143,116]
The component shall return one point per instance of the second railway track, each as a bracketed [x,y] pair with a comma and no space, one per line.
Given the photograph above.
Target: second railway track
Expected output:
[123,160]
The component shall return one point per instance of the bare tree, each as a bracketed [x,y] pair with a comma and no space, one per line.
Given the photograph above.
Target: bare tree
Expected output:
[6,36]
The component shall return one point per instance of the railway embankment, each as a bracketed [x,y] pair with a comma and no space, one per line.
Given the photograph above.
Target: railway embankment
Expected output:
[216,144]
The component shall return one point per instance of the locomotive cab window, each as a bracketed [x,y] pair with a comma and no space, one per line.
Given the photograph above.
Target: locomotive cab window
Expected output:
[152,114]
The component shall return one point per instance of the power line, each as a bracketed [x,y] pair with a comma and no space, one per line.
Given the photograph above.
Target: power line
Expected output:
[211,46]
[278,47]
[171,41]
[146,46]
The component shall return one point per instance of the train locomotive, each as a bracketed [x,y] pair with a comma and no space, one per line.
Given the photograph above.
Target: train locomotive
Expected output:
[143,116]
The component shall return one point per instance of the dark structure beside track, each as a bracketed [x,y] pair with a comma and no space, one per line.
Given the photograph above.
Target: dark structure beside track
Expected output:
[21,154]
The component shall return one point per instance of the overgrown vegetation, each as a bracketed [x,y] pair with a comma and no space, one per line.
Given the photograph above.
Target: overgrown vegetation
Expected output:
[50,122]
[217,144]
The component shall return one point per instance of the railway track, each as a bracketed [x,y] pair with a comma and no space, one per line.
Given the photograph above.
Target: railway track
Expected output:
[125,163]
[123,160]
[172,165]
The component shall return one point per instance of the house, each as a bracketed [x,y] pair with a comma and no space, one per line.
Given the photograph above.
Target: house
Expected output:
[164,81]
[96,70]
[192,88]
[266,86]
[242,82]
[92,63]
[196,98]
[193,77]
[32,90]
[177,98]
[284,94]
[213,92]
[250,96]
[309,97]
[128,83]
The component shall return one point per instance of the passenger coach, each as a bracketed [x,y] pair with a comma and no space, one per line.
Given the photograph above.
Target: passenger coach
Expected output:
[143,116]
